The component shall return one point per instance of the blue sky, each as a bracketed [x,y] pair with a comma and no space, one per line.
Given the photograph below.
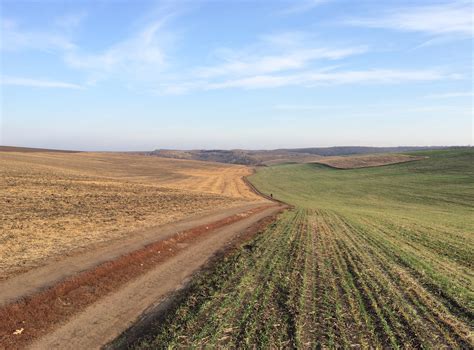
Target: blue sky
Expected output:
[140,75]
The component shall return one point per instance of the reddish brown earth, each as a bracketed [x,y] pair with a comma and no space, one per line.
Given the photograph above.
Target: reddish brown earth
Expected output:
[365,161]
[90,308]
[57,269]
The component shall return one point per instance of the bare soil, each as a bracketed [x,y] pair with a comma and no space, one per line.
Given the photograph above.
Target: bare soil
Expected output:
[114,294]
[365,161]
[56,269]
[54,203]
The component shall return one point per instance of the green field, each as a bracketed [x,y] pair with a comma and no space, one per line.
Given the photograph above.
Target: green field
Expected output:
[373,258]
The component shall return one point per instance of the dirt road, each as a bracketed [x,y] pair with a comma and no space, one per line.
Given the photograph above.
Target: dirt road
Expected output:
[57,269]
[91,298]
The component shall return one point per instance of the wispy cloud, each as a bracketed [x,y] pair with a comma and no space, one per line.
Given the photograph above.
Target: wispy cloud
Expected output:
[451,18]
[15,38]
[309,78]
[315,78]
[384,76]
[301,6]
[452,94]
[273,60]
[298,107]
[296,59]
[141,53]
[292,58]
[38,83]
[376,111]
[142,48]
[263,63]
[70,21]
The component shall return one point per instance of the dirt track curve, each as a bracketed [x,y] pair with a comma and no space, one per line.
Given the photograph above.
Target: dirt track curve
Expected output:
[85,301]
[56,270]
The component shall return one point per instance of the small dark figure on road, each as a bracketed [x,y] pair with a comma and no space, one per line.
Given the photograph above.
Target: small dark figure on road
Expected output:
[271,195]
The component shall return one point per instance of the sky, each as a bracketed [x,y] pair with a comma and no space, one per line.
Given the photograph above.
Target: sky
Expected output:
[143,75]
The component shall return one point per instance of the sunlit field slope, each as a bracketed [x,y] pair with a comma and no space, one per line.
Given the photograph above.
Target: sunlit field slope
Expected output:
[437,191]
[372,258]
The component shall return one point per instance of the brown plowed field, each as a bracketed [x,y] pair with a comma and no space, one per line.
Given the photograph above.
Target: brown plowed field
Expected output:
[54,204]
[365,161]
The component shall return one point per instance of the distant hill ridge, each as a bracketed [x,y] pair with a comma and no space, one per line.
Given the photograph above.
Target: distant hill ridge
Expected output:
[283,155]
[349,150]
[31,149]
[258,157]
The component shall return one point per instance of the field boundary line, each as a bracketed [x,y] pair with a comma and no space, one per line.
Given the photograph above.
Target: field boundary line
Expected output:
[370,166]
[260,193]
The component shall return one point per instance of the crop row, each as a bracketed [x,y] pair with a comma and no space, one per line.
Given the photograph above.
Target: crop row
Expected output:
[318,279]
